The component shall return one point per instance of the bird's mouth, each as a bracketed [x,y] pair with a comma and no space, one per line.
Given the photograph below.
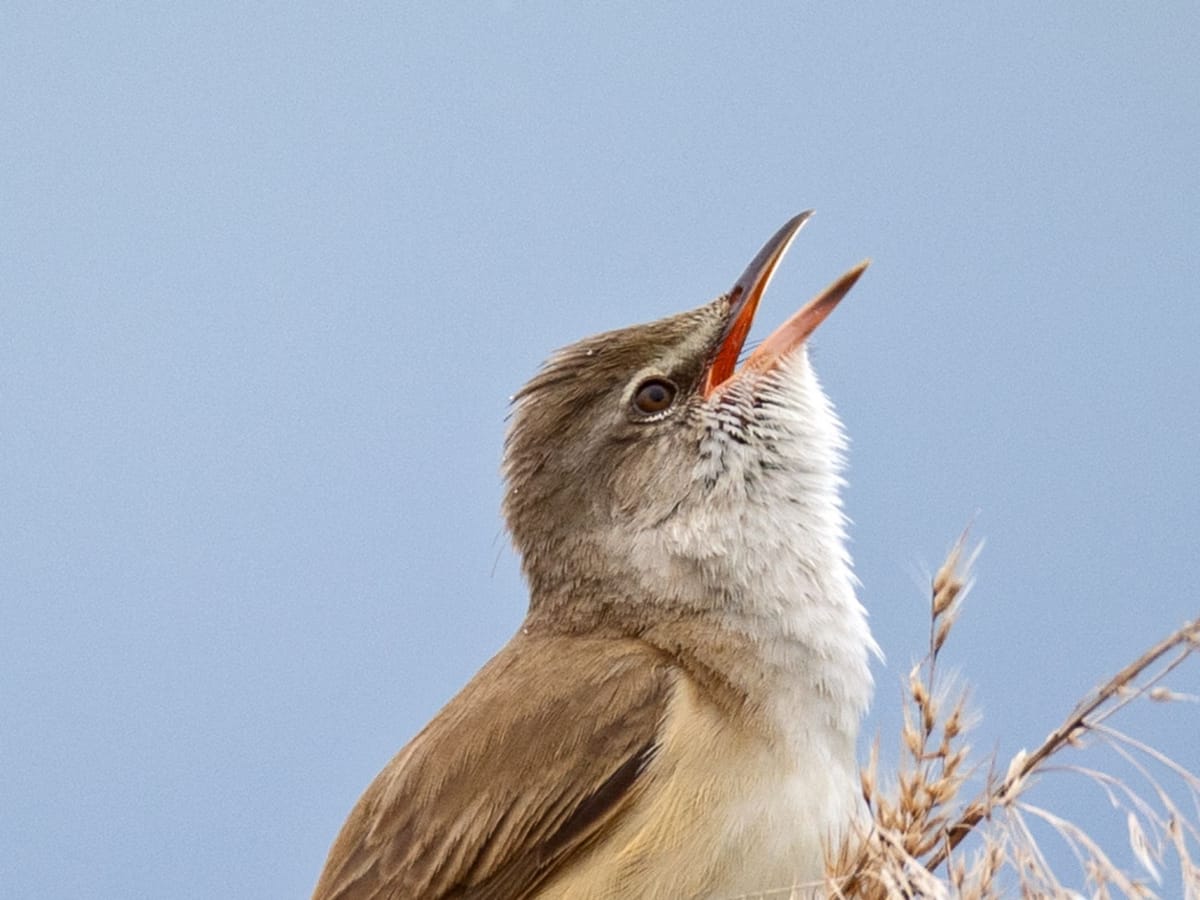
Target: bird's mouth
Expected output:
[743,302]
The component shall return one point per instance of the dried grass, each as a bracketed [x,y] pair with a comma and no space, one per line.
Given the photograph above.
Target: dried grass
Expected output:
[921,817]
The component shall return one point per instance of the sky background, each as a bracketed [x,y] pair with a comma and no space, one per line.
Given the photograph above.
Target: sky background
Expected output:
[269,275]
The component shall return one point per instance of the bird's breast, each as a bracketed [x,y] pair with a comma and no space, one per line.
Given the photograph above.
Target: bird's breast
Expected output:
[726,811]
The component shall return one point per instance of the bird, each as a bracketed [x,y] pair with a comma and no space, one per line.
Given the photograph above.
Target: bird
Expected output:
[677,715]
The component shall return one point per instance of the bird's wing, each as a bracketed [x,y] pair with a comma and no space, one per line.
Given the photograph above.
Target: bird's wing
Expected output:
[518,772]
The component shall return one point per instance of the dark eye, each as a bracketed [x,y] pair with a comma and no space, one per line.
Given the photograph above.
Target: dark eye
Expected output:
[654,396]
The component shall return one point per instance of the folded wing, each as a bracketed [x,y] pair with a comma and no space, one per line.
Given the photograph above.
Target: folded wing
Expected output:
[521,771]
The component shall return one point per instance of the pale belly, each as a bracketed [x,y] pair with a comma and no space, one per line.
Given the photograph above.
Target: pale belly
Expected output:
[725,815]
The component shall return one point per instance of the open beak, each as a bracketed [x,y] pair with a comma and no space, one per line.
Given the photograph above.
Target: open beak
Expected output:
[743,300]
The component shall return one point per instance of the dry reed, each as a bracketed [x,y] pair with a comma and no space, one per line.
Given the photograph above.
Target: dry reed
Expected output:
[923,813]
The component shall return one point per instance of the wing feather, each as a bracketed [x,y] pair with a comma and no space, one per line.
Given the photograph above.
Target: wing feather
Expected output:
[514,776]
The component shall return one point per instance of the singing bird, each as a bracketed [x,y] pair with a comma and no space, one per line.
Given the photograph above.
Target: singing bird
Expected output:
[677,715]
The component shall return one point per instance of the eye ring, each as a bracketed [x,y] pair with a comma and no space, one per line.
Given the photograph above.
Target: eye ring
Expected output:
[654,396]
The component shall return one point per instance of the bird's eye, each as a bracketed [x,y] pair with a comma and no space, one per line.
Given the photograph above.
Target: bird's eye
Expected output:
[654,396]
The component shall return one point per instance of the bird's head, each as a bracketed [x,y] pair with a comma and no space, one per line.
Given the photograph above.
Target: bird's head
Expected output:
[646,461]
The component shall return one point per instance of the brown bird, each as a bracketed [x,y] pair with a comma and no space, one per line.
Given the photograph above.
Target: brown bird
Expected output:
[677,715]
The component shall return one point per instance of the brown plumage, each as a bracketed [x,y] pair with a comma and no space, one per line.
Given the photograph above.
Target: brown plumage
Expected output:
[458,814]
[676,716]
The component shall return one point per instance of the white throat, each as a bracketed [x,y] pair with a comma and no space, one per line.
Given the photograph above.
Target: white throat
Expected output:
[759,552]
[761,544]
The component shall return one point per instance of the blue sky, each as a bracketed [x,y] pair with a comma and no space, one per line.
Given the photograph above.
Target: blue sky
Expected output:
[269,275]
